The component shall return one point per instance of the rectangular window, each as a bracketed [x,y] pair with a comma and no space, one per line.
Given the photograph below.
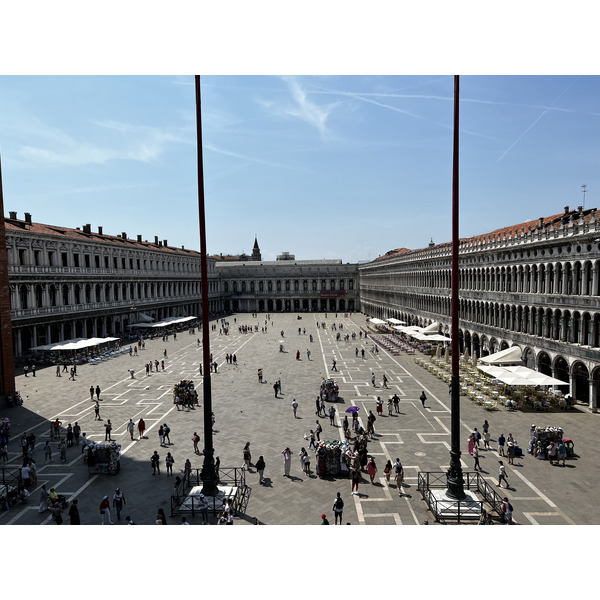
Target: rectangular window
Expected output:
[22,256]
[261,286]
[323,285]
[122,262]
[305,285]
[279,285]
[87,260]
[106,262]
[351,284]
[97,261]
[65,259]
[341,284]
[76,259]
[51,258]
[270,286]
[314,285]
[287,285]
[36,258]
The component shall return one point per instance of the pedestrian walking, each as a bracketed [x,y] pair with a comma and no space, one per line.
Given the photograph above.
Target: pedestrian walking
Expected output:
[169,460]
[97,412]
[476,466]
[399,476]
[388,470]
[161,435]
[501,442]
[105,511]
[108,429]
[356,478]
[47,453]
[332,415]
[92,393]
[141,427]
[318,430]
[396,401]
[312,440]
[118,502]
[423,397]
[203,508]
[155,461]
[260,468]
[166,432]
[502,474]
[390,406]
[287,461]
[247,456]
[306,463]
[371,468]
[373,379]
[74,518]
[333,366]
[294,407]
[130,428]
[507,509]
[338,509]
[196,440]
[97,392]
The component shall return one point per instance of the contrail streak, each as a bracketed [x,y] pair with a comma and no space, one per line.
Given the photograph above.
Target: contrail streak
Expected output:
[539,117]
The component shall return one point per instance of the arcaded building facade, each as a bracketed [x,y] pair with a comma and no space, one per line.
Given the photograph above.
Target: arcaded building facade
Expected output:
[535,285]
[288,285]
[70,283]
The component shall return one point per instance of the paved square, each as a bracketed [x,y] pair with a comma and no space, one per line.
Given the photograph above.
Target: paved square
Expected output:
[246,410]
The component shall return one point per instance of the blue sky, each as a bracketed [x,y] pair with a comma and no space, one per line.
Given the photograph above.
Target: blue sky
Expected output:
[323,167]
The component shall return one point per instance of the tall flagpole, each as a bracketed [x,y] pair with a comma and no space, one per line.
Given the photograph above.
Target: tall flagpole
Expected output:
[454,476]
[7,363]
[207,475]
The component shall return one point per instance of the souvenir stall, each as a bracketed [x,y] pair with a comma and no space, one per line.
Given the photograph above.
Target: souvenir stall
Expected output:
[102,457]
[185,393]
[540,439]
[329,390]
[336,457]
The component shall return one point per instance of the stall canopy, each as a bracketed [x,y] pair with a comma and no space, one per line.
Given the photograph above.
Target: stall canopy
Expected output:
[145,318]
[510,356]
[396,321]
[433,328]
[164,322]
[432,337]
[520,375]
[377,321]
[75,344]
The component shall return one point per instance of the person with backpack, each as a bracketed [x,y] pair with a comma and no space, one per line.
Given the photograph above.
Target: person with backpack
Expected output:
[399,475]
[338,508]
[507,509]
[423,397]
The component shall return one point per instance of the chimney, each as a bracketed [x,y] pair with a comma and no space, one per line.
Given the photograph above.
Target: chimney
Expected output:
[165,243]
[139,238]
[28,218]
[160,244]
[566,210]
[87,228]
[541,223]
[12,214]
[124,235]
[156,240]
[99,230]
[580,209]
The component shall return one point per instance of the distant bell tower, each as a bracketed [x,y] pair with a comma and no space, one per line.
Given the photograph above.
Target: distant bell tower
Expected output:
[256,250]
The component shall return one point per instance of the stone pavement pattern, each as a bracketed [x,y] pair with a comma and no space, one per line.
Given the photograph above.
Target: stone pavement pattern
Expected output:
[245,411]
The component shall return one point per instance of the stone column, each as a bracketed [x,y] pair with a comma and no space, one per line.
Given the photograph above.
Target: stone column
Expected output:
[593,404]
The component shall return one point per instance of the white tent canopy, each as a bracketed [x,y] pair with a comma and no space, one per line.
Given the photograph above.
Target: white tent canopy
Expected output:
[396,321]
[164,322]
[431,337]
[433,328]
[377,321]
[76,344]
[510,356]
[520,375]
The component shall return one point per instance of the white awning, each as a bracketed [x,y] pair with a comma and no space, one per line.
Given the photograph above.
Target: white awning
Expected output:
[433,328]
[76,344]
[520,375]
[377,321]
[164,322]
[432,337]
[510,356]
[396,321]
